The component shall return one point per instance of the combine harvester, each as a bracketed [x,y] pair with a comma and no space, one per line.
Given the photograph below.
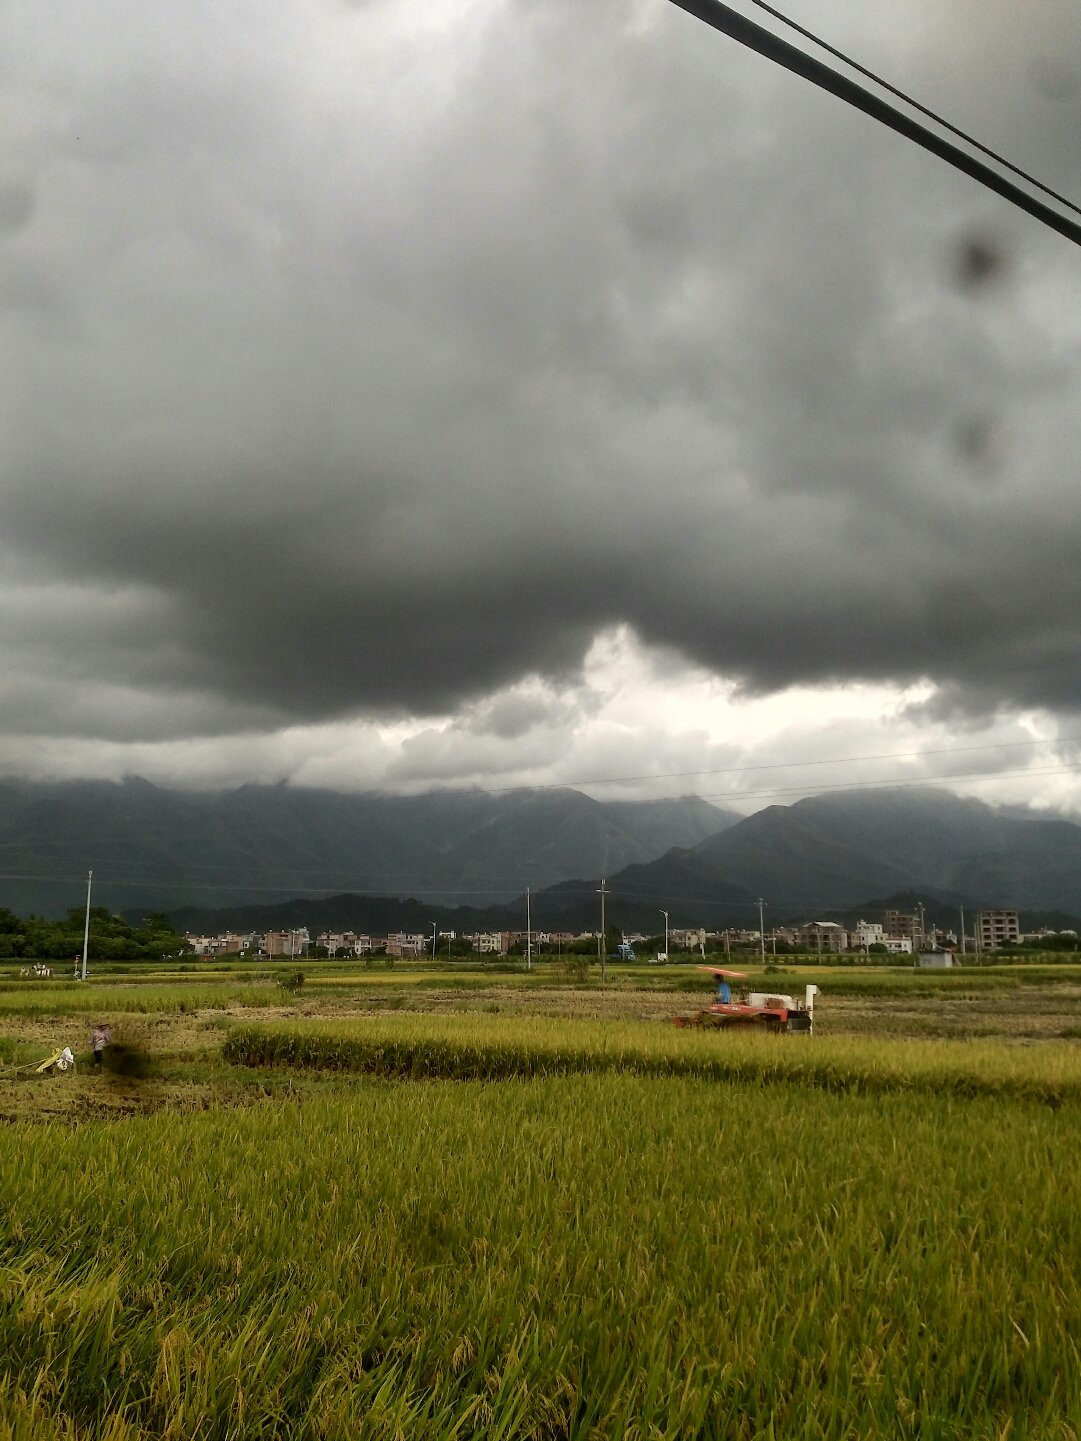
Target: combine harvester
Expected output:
[762,1010]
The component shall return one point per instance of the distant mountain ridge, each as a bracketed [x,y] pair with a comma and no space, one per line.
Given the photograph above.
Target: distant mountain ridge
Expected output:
[831,852]
[160,849]
[267,848]
[835,849]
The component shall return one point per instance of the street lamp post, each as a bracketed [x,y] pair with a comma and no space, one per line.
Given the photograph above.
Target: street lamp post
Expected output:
[762,928]
[528,933]
[601,943]
[86,927]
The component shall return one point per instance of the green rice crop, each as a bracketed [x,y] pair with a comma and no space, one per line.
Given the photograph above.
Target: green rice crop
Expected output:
[68,998]
[466,1047]
[609,1256]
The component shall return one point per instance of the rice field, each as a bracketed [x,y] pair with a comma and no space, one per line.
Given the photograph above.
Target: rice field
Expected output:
[605,1256]
[470,1047]
[73,998]
[463,1225]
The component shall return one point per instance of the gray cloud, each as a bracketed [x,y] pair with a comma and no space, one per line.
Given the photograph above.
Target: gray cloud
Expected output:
[364,364]
[16,206]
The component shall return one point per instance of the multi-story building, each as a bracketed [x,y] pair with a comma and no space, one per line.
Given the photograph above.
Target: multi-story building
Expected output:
[486,943]
[997,928]
[399,944]
[822,936]
[899,923]
[347,941]
[227,944]
[285,943]
[867,933]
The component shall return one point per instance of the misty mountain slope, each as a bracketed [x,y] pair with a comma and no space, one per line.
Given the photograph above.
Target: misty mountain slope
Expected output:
[1037,865]
[161,849]
[798,860]
[835,850]
[993,855]
[681,882]
[922,830]
[541,837]
[686,821]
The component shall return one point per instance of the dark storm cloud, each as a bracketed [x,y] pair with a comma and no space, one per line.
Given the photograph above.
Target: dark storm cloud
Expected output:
[368,364]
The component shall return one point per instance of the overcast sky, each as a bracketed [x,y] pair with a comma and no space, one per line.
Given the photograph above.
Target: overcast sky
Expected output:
[419,392]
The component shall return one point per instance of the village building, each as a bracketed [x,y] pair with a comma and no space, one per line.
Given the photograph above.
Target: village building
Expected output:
[867,933]
[823,937]
[997,928]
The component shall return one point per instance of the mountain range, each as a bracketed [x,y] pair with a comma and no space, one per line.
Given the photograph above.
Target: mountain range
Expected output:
[831,855]
[156,849]
[285,855]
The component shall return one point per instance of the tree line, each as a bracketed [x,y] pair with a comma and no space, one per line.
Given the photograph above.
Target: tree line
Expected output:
[111,937]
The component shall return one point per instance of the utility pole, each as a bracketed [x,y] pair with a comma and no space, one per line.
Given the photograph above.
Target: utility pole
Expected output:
[86,927]
[665,915]
[727,945]
[601,946]
[528,934]
[962,933]
[762,928]
[435,933]
[923,929]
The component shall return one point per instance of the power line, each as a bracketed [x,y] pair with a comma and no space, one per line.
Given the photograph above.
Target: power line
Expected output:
[787,765]
[929,783]
[915,104]
[755,37]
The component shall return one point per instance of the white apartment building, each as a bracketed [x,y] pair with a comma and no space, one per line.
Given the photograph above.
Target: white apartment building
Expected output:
[867,933]
[347,941]
[229,943]
[486,943]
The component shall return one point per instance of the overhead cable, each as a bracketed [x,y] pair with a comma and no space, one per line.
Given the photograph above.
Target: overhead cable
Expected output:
[755,37]
[915,104]
[788,765]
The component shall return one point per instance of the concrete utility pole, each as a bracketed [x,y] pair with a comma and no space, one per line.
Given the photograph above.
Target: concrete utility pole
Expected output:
[86,927]
[762,928]
[528,934]
[962,932]
[665,915]
[601,946]
[727,944]
[435,933]
[923,928]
